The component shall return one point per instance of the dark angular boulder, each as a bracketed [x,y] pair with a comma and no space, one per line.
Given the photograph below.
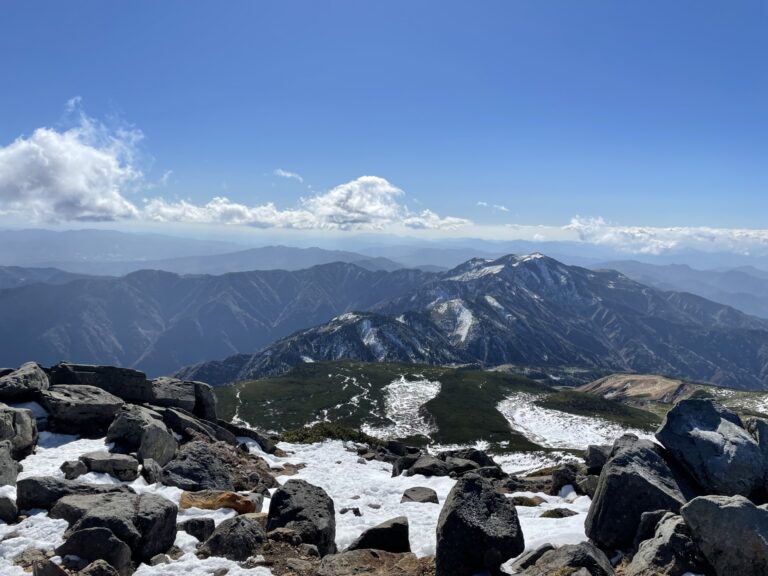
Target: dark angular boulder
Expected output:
[403,464]
[712,445]
[372,563]
[98,543]
[44,491]
[23,384]
[266,443]
[73,469]
[428,466]
[306,509]
[80,409]
[8,510]
[477,530]
[9,468]
[205,402]
[47,568]
[636,480]
[197,467]
[420,494]
[670,550]
[569,559]
[151,471]
[238,539]
[121,466]
[595,457]
[141,430]
[19,426]
[200,528]
[98,568]
[187,425]
[562,476]
[391,536]
[731,532]
[145,522]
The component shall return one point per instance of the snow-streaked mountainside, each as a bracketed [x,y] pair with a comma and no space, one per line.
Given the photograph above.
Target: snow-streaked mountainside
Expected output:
[533,310]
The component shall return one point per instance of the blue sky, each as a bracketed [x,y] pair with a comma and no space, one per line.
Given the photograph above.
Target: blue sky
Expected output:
[643,114]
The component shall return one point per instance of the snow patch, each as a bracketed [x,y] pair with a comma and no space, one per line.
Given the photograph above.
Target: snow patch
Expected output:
[403,400]
[477,273]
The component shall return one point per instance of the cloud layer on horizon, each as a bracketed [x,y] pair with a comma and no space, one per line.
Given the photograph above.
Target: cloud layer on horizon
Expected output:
[83,173]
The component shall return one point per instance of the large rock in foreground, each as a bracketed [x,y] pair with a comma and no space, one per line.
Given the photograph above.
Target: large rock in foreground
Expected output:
[197,467]
[238,538]
[731,532]
[80,409]
[636,480]
[23,384]
[307,510]
[146,522]
[141,430]
[390,536]
[98,543]
[712,445]
[478,529]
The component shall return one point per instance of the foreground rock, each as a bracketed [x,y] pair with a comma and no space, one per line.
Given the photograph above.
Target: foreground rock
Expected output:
[636,480]
[390,536]
[712,444]
[196,467]
[478,529]
[569,559]
[146,522]
[670,551]
[238,538]
[307,510]
[8,510]
[44,491]
[141,430]
[9,468]
[23,384]
[373,563]
[121,466]
[20,428]
[731,532]
[98,543]
[84,410]
[200,528]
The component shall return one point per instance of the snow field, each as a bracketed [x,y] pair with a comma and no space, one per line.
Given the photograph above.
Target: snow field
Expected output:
[403,400]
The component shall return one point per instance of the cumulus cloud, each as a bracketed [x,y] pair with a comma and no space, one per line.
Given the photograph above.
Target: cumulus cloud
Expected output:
[657,240]
[286,174]
[428,220]
[499,207]
[77,174]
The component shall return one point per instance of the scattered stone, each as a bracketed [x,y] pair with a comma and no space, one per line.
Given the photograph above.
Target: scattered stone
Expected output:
[588,485]
[98,568]
[731,532]
[355,511]
[530,558]
[98,544]
[121,466]
[308,510]
[391,536]
[428,466]
[403,464]
[567,560]
[19,426]
[527,501]
[236,539]
[478,529]
[8,510]
[44,491]
[200,528]
[479,457]
[160,559]
[670,550]
[712,445]
[557,513]
[420,494]
[562,476]
[23,384]
[78,409]
[460,466]
[151,471]
[29,556]
[635,480]
[141,430]
[266,443]
[215,499]
[73,469]
[9,468]
[373,563]
[47,568]
[195,468]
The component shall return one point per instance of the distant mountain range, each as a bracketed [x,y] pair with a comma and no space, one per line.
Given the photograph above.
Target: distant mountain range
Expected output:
[531,310]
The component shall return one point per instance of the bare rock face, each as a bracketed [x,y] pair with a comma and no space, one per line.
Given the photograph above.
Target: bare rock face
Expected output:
[23,384]
[670,550]
[307,510]
[80,409]
[390,536]
[141,430]
[713,446]
[478,529]
[197,467]
[238,539]
[121,466]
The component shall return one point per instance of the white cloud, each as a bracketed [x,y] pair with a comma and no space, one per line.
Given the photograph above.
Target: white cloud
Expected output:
[657,240]
[501,208]
[481,203]
[428,220]
[78,174]
[286,174]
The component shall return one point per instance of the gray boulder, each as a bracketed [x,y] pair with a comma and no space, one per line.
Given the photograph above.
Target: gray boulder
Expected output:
[569,559]
[200,528]
[47,568]
[477,530]
[420,494]
[8,510]
[98,543]
[187,425]
[562,476]
[23,384]
[670,551]
[391,536]
[712,445]
[20,427]
[238,539]
[141,430]
[428,466]
[73,469]
[596,456]
[80,409]
[265,442]
[98,568]
[145,522]
[459,466]
[731,532]
[196,467]
[636,480]
[307,510]
[121,466]
[527,559]
[9,468]
[370,562]
[151,471]
[205,402]
[44,491]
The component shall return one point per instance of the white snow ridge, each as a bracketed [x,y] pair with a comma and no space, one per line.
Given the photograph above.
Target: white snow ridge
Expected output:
[402,405]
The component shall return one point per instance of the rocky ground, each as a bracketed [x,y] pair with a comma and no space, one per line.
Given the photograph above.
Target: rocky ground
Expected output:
[105,472]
